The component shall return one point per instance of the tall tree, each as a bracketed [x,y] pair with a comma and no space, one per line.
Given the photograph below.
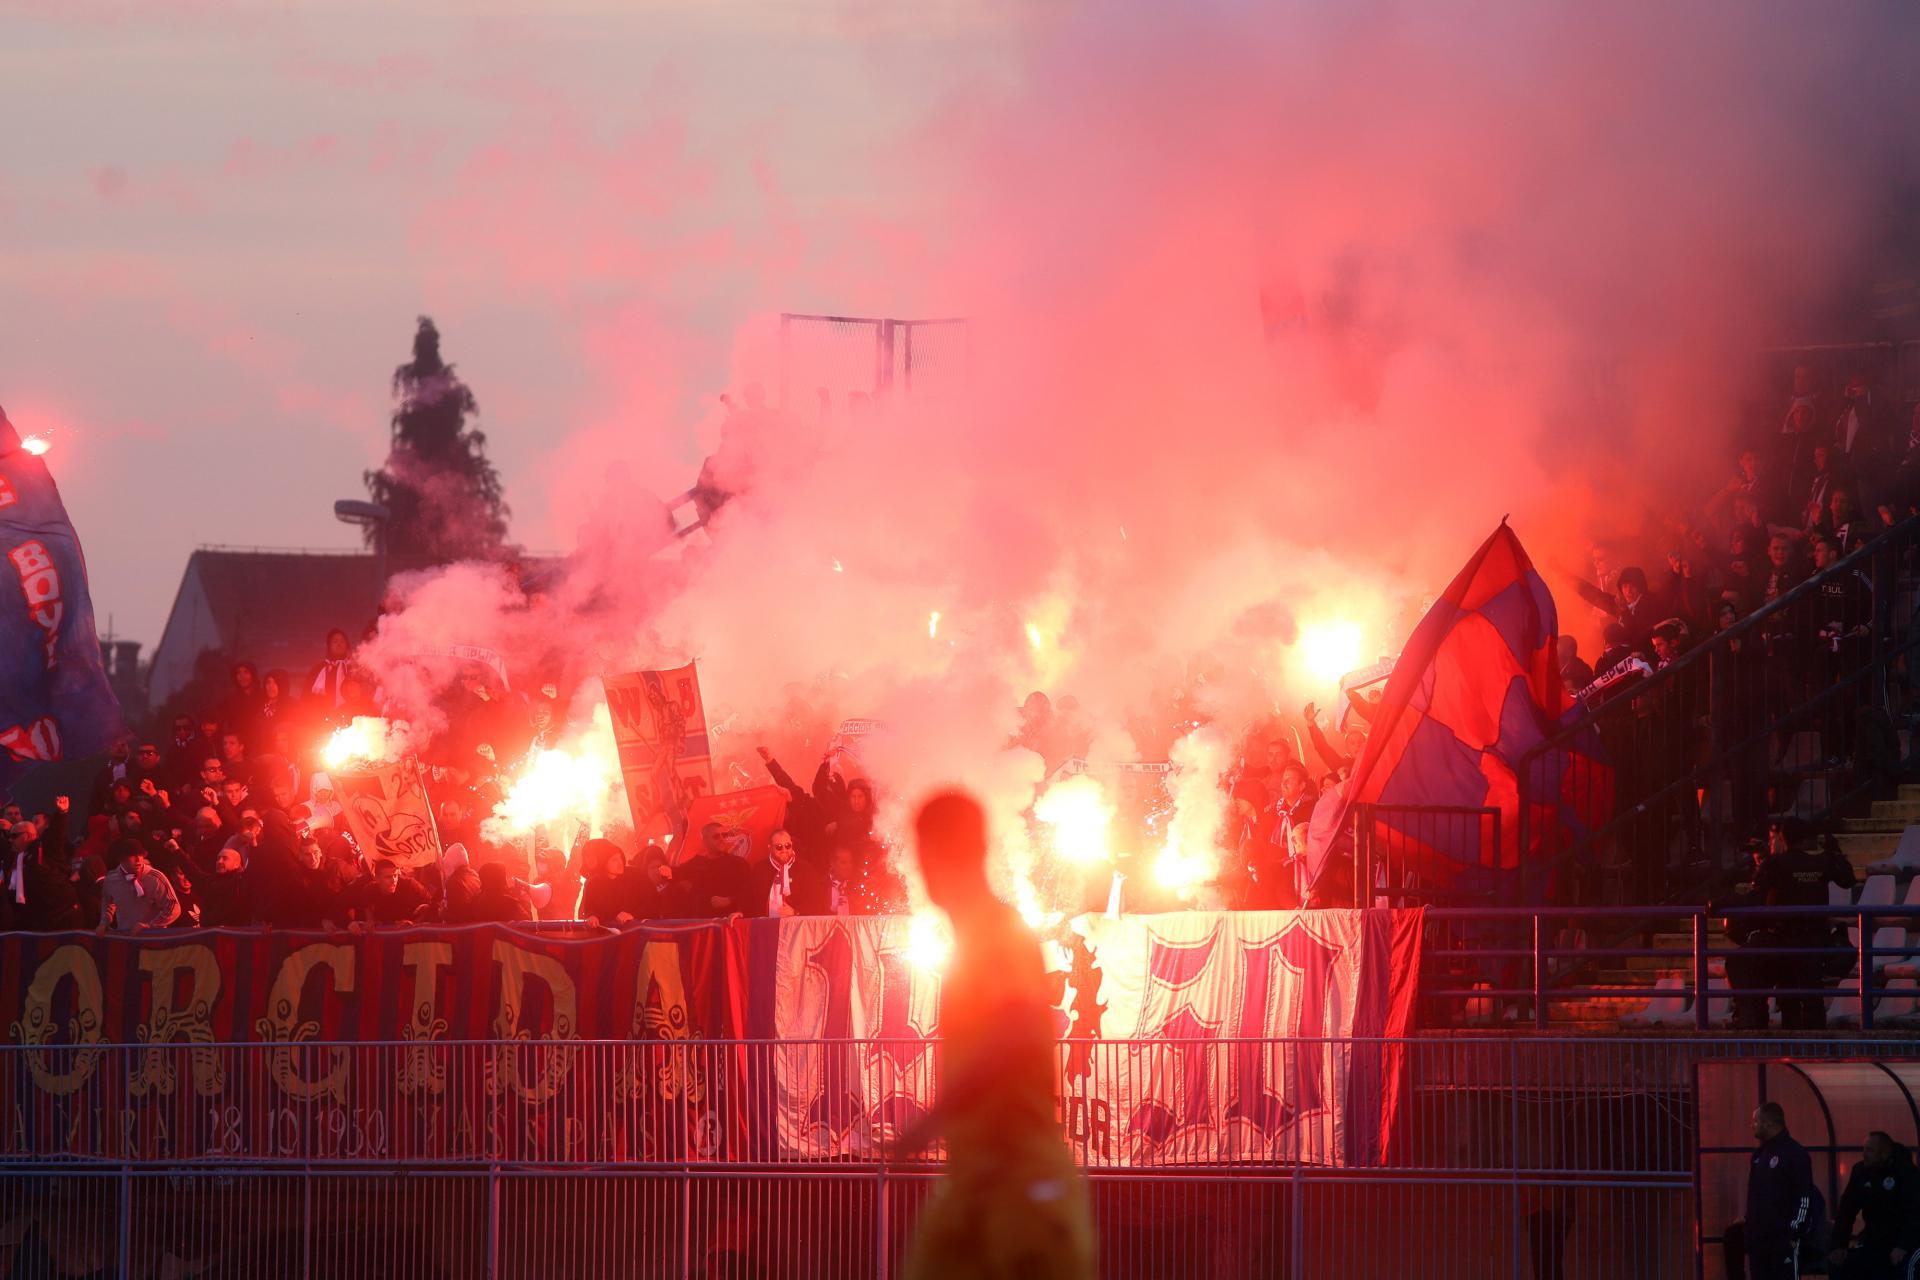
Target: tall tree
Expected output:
[444,495]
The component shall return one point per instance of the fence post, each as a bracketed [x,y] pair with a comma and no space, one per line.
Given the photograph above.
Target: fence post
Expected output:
[1515,1241]
[124,1249]
[686,1222]
[1702,1015]
[1296,1222]
[306,1222]
[880,1268]
[493,1222]
[1866,970]
[1539,978]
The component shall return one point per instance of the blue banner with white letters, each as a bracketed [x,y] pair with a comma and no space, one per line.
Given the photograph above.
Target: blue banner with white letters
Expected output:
[55,702]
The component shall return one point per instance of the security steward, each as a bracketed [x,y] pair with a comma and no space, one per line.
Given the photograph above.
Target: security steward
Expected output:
[1786,877]
[1883,1191]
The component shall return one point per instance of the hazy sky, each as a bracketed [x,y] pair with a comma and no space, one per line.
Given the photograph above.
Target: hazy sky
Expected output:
[218,221]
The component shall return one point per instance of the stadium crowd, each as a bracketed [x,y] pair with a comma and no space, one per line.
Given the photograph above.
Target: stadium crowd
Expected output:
[228,818]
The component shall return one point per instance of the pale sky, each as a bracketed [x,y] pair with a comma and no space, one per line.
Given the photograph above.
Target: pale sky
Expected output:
[219,220]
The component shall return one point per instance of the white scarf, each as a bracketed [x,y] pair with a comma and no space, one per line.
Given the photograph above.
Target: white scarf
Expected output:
[332,672]
[782,888]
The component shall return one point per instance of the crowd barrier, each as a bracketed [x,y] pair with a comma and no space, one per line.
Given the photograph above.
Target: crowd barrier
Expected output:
[1513,1156]
[1536,965]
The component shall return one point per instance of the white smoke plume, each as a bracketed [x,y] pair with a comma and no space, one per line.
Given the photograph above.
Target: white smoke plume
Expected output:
[1276,312]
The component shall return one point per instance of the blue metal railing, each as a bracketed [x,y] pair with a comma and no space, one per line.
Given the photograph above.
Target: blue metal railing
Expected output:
[1519,948]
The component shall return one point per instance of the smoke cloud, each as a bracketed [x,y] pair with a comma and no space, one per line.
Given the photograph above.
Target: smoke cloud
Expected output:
[1276,312]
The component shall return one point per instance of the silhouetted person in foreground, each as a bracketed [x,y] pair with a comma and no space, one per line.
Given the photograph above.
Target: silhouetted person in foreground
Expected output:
[1011,1203]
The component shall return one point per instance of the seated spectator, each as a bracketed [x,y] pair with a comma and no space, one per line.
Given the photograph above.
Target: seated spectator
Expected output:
[222,893]
[387,895]
[136,895]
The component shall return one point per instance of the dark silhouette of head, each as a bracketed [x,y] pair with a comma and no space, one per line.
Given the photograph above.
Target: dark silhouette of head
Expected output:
[952,839]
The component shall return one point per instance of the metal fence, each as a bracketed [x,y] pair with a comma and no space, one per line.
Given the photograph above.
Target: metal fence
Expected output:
[1398,849]
[1509,1156]
[1496,966]
[1649,791]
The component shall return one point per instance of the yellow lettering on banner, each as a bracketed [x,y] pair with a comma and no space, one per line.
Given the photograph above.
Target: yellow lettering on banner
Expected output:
[36,1023]
[516,965]
[418,1069]
[660,1014]
[284,1026]
[173,1017]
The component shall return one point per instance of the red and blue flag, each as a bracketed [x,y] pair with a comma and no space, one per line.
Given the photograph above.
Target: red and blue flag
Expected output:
[55,701]
[1473,698]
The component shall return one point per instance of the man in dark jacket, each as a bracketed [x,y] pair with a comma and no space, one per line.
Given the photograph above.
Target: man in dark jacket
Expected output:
[1884,1192]
[717,879]
[782,885]
[387,895]
[277,883]
[1633,604]
[1780,1202]
[658,894]
[48,900]
[501,900]
[222,894]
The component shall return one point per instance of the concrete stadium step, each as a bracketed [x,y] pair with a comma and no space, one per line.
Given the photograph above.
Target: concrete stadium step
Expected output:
[1909,791]
[1904,811]
[1863,849]
[1875,826]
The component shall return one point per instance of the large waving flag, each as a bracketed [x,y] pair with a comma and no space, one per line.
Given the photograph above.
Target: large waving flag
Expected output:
[1475,689]
[55,702]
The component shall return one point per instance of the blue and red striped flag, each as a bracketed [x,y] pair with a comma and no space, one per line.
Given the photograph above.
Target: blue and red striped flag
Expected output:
[1476,688]
[55,701]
